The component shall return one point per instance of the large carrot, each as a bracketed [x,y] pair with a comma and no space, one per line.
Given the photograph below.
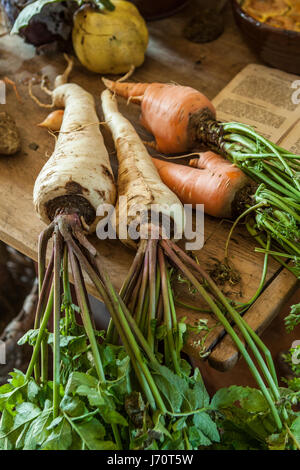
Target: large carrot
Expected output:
[163,113]
[168,111]
[214,182]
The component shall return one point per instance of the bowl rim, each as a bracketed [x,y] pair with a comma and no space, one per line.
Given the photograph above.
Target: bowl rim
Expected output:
[273,29]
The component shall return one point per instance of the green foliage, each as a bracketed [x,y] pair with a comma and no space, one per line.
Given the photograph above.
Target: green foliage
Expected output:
[97,414]
[293,319]
[292,358]
[246,423]
[235,418]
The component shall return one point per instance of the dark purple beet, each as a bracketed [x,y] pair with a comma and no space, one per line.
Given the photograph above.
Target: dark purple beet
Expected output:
[53,24]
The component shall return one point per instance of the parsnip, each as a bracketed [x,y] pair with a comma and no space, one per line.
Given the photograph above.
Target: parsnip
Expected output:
[70,187]
[138,179]
[78,176]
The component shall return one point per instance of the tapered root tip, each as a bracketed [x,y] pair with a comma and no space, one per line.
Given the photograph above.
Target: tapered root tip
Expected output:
[108,83]
[62,79]
[8,81]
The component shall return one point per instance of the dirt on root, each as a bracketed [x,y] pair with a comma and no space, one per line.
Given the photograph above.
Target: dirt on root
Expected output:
[223,273]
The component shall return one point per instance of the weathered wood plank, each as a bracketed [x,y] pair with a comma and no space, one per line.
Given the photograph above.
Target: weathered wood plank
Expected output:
[272,300]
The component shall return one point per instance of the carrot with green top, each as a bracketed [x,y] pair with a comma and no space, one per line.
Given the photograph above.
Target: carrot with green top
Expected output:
[210,180]
[181,118]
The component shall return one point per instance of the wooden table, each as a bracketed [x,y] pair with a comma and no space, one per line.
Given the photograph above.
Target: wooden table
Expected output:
[170,57]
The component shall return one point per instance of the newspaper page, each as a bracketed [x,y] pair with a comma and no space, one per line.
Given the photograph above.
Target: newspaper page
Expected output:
[263,98]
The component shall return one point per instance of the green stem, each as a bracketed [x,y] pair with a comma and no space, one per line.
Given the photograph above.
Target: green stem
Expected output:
[117,436]
[110,298]
[186,440]
[172,304]
[134,270]
[229,328]
[56,322]
[66,281]
[44,279]
[287,201]
[86,317]
[192,307]
[293,437]
[269,196]
[281,180]
[244,214]
[42,250]
[152,293]
[144,317]
[265,350]
[234,314]
[259,138]
[259,240]
[128,283]
[167,312]
[257,175]
[128,332]
[135,294]
[267,225]
[44,361]
[142,293]
[263,276]
[41,333]
[274,253]
[241,139]
[262,156]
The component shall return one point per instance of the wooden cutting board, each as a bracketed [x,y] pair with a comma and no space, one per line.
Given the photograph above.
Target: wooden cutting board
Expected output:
[169,58]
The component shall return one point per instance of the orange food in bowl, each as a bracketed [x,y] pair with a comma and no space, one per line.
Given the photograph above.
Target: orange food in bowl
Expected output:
[265,8]
[284,14]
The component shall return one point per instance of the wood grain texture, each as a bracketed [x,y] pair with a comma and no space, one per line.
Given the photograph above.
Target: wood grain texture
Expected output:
[272,300]
[207,67]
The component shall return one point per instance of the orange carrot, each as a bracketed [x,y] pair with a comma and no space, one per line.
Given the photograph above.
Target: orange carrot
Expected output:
[169,112]
[134,91]
[210,180]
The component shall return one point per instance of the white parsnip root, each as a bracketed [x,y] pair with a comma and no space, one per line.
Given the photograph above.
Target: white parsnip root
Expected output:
[138,178]
[78,174]
[74,182]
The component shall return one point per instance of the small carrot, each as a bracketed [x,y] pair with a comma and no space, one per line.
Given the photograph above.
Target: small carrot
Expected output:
[53,121]
[134,91]
[168,111]
[210,180]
